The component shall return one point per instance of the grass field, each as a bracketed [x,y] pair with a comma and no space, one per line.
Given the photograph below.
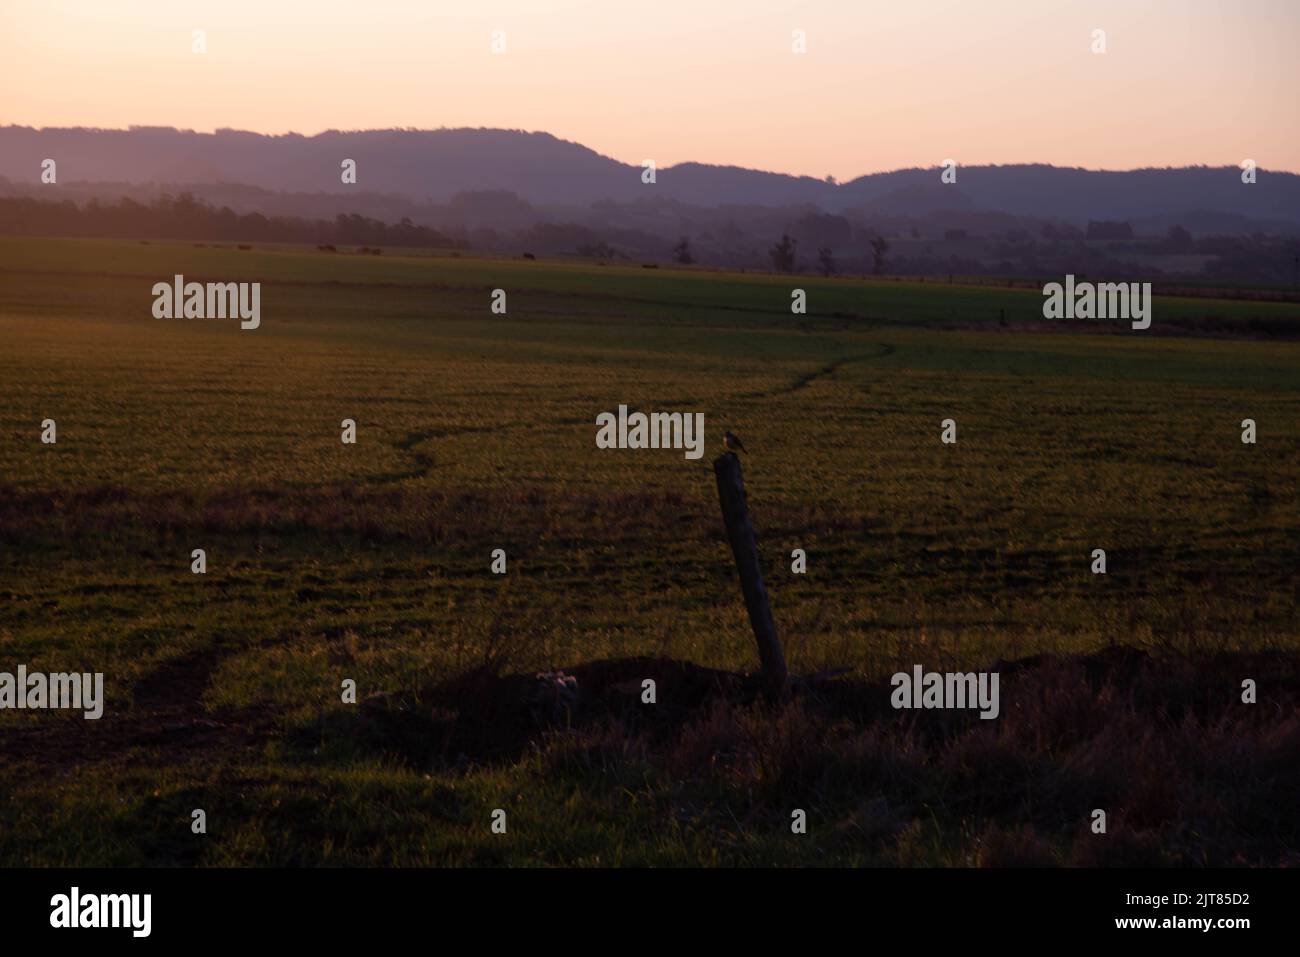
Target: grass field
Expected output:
[476,431]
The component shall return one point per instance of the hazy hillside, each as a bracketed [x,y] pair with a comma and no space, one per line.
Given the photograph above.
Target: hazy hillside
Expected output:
[435,165]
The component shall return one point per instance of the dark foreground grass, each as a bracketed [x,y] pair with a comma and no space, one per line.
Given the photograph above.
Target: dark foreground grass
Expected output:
[371,563]
[712,774]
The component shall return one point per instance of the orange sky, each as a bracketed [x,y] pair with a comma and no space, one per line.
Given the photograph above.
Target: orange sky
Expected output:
[882,85]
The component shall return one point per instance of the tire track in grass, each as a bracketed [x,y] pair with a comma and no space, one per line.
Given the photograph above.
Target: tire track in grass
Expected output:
[829,369]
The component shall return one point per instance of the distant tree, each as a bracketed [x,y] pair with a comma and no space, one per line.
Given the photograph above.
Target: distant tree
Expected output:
[879,246]
[1179,238]
[783,254]
[682,252]
[826,260]
[830,180]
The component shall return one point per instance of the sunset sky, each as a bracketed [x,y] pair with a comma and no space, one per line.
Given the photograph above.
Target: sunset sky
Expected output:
[882,85]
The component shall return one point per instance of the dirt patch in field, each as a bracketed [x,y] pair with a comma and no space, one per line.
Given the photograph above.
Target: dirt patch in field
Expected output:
[166,726]
[1186,771]
[484,716]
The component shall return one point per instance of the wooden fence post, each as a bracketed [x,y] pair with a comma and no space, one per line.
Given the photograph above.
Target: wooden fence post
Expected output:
[735,515]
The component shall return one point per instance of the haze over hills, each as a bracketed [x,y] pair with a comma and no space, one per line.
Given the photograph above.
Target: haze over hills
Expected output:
[511,191]
[433,166]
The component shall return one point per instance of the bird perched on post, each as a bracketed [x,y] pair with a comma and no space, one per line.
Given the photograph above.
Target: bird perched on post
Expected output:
[732,443]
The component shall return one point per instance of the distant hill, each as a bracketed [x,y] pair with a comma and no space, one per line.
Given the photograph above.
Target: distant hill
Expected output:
[433,166]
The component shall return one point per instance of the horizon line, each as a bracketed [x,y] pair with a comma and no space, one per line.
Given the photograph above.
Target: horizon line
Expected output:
[634,165]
